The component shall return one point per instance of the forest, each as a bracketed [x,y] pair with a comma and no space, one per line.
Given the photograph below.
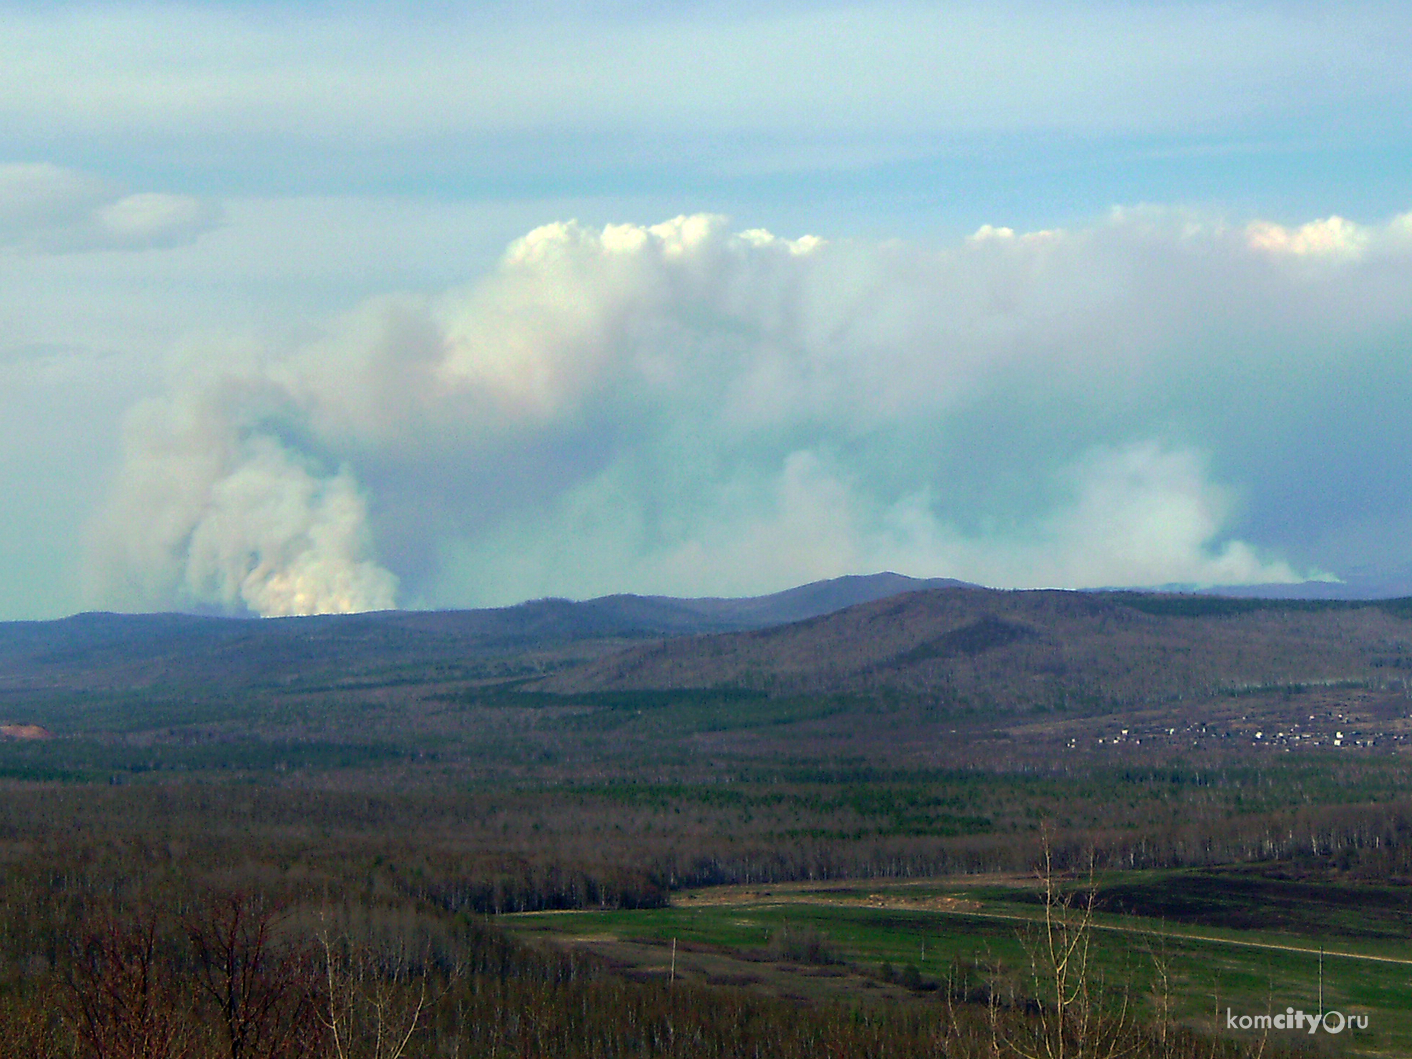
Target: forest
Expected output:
[947,823]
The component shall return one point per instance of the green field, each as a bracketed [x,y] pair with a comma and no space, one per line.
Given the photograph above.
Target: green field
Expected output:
[980,934]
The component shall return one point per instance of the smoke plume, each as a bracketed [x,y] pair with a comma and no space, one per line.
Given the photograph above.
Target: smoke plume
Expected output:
[689,409]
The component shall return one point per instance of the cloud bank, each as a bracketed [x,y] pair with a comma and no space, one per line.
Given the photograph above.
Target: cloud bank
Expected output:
[684,408]
[281,74]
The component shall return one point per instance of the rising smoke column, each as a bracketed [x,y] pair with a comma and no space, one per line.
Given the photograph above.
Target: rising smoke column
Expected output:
[682,408]
[214,507]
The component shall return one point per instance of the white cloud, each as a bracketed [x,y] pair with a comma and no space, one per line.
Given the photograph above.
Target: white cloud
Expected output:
[153,219]
[1333,237]
[47,208]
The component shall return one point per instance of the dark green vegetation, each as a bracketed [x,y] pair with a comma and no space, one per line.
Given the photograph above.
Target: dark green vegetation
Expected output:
[801,808]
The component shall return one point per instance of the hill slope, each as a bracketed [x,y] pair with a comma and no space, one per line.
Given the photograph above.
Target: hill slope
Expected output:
[1047,649]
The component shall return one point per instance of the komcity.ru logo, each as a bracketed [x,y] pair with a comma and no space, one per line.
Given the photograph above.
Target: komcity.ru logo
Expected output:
[1329,1021]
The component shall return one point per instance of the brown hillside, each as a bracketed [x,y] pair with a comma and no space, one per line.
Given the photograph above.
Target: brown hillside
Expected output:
[1016,649]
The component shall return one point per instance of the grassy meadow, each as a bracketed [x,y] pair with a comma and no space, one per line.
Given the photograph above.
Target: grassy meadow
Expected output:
[918,941]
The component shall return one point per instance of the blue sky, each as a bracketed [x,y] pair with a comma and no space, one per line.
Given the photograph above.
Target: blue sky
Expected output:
[293,315]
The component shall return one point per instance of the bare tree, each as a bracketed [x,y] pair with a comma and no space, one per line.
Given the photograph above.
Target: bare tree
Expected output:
[1073,1019]
[265,995]
[375,1000]
[121,1001]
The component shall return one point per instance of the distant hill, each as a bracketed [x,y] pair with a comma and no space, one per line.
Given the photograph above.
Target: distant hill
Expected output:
[806,601]
[1352,588]
[882,634]
[621,675]
[136,650]
[1028,649]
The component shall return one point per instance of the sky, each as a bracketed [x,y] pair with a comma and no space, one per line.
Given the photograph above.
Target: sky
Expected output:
[323,307]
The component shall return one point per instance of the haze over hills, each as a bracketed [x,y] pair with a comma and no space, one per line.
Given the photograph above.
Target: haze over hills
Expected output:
[143,649]
[1355,584]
